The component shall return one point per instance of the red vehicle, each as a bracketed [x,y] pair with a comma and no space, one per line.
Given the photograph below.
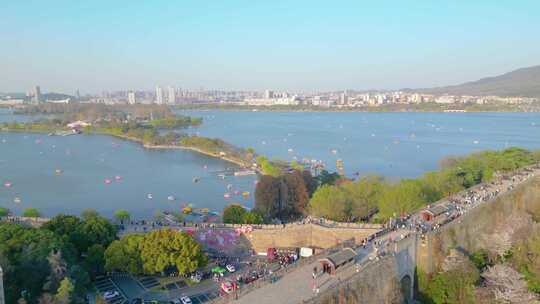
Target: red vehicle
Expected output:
[228,286]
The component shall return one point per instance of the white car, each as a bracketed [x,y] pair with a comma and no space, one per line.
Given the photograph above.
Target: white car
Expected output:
[230,268]
[110,294]
[185,300]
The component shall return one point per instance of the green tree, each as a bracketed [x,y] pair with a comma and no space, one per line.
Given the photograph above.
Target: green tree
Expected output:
[89,213]
[453,287]
[81,281]
[31,212]
[94,263]
[252,218]
[4,211]
[65,291]
[330,202]
[297,166]
[310,182]
[122,215]
[125,255]
[234,214]
[362,197]
[94,230]
[400,198]
[162,249]
[480,259]
[327,178]
[23,251]
[267,167]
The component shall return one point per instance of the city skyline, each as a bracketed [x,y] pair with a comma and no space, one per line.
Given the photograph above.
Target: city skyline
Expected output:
[252,46]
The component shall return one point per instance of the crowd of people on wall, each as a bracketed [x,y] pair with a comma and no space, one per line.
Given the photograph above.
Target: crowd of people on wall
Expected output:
[449,209]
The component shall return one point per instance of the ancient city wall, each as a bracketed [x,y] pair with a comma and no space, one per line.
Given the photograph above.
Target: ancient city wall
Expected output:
[307,235]
[493,226]
[377,283]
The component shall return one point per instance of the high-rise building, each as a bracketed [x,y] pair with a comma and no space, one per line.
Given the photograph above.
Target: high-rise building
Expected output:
[159,95]
[78,94]
[172,95]
[343,99]
[131,97]
[36,94]
[268,94]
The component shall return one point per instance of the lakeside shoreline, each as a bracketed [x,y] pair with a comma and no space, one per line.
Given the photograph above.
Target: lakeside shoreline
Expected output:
[172,147]
[383,109]
[146,146]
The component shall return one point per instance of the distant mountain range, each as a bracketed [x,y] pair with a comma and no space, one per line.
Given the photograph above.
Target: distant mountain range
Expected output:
[521,82]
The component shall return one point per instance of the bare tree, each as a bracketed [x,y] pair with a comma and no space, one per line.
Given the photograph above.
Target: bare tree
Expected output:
[507,285]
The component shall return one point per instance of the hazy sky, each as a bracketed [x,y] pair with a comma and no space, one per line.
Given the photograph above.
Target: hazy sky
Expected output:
[295,45]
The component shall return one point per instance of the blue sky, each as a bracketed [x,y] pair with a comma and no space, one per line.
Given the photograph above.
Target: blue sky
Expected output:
[289,45]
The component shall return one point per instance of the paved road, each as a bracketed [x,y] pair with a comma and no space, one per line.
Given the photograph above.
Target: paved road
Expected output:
[298,285]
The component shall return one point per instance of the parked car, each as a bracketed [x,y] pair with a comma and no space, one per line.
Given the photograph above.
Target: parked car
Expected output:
[230,268]
[185,300]
[110,294]
[227,286]
[182,300]
[250,278]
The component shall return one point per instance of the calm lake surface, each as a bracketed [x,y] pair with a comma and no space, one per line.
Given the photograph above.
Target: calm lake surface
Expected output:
[390,144]
[30,161]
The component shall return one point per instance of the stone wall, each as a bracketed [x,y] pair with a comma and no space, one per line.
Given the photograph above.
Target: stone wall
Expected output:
[378,283]
[493,226]
[307,235]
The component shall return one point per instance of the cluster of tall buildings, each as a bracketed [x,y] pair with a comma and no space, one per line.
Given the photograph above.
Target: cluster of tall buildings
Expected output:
[359,99]
[172,96]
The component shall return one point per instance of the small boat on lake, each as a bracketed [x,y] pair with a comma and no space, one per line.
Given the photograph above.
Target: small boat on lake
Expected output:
[17,200]
[244,172]
[108,181]
[195,179]
[201,210]
[171,198]
[227,195]
[118,177]
[149,196]
[8,184]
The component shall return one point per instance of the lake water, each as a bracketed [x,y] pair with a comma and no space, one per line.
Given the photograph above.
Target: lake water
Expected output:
[391,144]
[30,161]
